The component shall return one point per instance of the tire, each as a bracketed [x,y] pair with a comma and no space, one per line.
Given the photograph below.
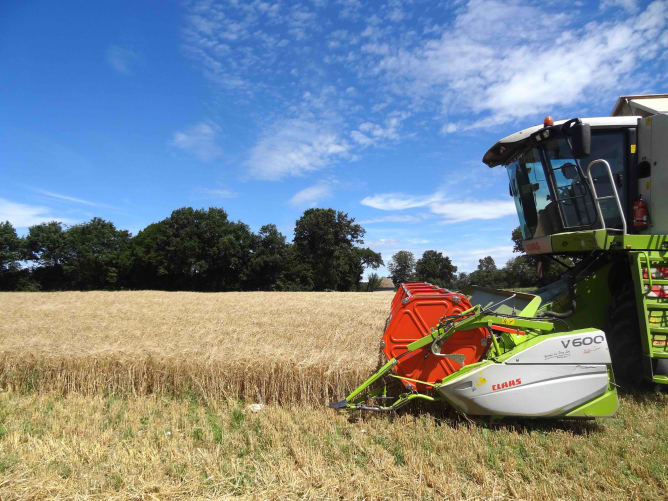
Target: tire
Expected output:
[623,335]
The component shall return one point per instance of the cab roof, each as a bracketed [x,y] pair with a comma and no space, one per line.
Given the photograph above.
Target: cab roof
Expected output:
[504,150]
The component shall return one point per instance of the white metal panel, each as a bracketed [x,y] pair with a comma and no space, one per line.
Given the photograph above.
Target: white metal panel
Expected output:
[648,104]
[658,158]
[651,105]
[536,390]
[594,122]
[588,347]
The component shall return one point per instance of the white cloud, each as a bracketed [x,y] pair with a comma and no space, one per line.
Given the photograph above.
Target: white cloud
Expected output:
[312,195]
[482,68]
[451,211]
[121,59]
[220,193]
[627,5]
[398,201]
[234,42]
[294,147]
[200,140]
[24,215]
[67,198]
[467,259]
[383,243]
[392,219]
[492,62]
[455,212]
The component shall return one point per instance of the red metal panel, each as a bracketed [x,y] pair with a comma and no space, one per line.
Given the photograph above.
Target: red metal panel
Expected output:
[416,308]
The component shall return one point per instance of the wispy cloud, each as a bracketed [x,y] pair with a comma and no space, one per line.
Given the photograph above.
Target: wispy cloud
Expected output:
[627,5]
[369,133]
[24,215]
[451,211]
[455,212]
[480,67]
[121,59]
[467,259]
[67,198]
[236,42]
[199,140]
[294,147]
[461,70]
[312,195]
[219,193]
[399,201]
[392,219]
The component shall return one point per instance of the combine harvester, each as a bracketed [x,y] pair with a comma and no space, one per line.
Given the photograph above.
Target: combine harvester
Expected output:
[595,189]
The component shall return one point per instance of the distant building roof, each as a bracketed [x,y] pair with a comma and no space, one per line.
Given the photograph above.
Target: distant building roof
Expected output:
[386,283]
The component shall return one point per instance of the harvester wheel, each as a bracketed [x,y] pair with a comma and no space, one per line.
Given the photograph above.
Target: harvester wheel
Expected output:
[623,336]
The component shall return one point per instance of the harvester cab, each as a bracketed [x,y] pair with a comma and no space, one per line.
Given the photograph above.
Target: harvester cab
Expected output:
[591,189]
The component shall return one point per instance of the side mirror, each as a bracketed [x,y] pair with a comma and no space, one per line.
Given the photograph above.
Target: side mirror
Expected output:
[569,171]
[580,139]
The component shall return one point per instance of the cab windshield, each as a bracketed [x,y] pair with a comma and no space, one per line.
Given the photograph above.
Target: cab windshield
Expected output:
[551,193]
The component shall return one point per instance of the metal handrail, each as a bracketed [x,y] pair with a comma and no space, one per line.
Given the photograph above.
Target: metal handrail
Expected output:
[598,199]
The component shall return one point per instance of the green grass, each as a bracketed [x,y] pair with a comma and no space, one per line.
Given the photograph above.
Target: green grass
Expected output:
[152,446]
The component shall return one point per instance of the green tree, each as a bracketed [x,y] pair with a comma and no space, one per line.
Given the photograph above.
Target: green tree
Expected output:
[524,269]
[373,282]
[462,283]
[10,255]
[402,267]
[487,274]
[352,264]
[520,271]
[326,240]
[194,250]
[268,259]
[516,237]
[296,275]
[95,255]
[45,245]
[435,268]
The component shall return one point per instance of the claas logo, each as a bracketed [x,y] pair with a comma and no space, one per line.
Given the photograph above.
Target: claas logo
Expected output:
[507,384]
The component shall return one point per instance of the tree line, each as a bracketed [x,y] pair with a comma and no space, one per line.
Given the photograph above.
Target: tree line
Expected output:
[202,250]
[199,250]
[435,268]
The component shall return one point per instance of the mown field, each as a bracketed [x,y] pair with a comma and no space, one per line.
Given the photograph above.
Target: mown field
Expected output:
[146,395]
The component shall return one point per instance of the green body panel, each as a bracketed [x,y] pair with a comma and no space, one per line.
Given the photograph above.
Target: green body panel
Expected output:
[604,406]
[508,302]
[592,297]
[513,344]
[652,308]
[592,293]
[586,241]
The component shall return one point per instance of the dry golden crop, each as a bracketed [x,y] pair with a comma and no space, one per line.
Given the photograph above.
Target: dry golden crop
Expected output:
[91,411]
[268,346]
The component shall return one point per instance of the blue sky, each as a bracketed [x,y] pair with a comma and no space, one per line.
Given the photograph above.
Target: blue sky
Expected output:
[383,110]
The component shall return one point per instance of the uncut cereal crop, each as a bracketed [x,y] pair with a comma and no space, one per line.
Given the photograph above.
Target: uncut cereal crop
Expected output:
[278,347]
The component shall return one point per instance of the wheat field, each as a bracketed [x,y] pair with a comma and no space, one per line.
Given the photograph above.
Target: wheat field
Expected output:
[263,346]
[150,395]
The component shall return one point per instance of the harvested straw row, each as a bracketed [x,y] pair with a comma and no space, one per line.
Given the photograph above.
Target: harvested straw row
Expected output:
[266,381]
[275,347]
